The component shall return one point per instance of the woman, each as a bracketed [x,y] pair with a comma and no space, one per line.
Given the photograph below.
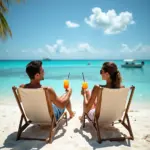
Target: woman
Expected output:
[111,74]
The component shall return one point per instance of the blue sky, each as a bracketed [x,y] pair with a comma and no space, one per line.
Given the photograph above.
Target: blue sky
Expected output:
[80,29]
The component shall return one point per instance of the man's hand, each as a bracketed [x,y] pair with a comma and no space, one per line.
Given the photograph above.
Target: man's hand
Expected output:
[69,90]
[83,91]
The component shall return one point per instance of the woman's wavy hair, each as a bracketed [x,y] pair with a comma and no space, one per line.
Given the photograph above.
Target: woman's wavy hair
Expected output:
[114,73]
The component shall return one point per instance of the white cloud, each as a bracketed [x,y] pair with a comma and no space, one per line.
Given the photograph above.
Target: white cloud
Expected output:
[59,42]
[125,48]
[85,47]
[50,48]
[138,48]
[72,24]
[110,22]
[84,50]
[58,47]
[138,51]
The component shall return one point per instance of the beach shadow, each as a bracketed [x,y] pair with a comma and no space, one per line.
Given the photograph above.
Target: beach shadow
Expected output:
[93,140]
[33,131]
[12,144]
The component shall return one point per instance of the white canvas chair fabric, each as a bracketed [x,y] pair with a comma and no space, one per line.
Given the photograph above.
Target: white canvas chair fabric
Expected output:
[113,104]
[35,105]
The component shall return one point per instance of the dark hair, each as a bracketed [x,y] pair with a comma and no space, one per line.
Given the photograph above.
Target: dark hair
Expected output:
[114,73]
[33,68]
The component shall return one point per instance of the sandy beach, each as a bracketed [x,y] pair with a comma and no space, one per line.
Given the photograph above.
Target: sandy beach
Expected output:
[73,136]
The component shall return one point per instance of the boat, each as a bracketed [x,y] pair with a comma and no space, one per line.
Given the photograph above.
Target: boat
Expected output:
[89,64]
[46,59]
[131,63]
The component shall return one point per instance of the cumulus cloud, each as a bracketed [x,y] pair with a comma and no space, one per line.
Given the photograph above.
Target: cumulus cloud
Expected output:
[85,47]
[110,22]
[72,24]
[125,48]
[59,42]
[58,47]
[138,48]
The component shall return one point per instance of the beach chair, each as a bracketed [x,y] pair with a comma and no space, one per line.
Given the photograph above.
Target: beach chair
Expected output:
[112,107]
[36,108]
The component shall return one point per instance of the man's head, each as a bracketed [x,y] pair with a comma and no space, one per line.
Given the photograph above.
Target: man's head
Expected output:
[35,71]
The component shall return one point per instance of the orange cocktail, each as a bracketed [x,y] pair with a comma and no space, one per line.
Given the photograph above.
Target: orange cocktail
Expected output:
[84,85]
[66,84]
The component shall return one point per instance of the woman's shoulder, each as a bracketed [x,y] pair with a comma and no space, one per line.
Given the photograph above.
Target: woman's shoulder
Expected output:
[122,86]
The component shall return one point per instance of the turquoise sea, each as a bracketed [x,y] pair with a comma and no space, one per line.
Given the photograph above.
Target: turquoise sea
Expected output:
[12,73]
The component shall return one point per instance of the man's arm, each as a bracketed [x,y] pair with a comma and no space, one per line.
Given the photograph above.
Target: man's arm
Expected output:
[22,86]
[60,102]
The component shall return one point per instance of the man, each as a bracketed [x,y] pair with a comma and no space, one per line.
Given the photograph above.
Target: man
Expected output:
[36,74]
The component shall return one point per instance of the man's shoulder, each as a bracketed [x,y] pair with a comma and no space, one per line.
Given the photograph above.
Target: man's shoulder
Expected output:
[22,85]
[49,88]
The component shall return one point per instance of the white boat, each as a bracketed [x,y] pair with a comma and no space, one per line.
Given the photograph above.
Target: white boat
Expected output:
[131,63]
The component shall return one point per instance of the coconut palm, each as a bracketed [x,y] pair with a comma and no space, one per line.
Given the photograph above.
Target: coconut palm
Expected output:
[4,27]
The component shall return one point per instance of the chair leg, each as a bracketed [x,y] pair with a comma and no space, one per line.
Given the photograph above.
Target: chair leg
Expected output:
[66,119]
[83,120]
[51,131]
[98,132]
[129,128]
[19,128]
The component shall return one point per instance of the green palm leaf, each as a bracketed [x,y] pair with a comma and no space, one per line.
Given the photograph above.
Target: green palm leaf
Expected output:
[4,27]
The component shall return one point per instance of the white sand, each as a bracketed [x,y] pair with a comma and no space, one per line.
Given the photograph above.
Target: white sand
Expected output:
[72,136]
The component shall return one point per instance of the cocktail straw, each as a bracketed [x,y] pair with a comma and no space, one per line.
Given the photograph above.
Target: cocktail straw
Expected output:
[83,76]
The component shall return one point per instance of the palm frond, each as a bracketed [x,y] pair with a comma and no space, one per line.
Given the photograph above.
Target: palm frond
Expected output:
[3,7]
[4,27]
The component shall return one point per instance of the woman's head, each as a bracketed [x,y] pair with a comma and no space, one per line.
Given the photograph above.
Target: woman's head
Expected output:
[111,74]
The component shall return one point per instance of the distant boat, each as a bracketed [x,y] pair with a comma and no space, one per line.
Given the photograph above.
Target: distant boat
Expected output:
[46,59]
[131,63]
[89,63]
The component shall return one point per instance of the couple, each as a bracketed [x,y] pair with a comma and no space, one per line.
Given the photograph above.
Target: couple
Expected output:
[109,72]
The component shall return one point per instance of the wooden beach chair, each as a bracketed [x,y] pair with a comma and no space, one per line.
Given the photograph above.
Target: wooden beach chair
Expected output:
[112,107]
[36,108]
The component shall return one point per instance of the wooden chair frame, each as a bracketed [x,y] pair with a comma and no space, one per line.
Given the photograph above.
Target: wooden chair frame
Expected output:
[22,127]
[125,117]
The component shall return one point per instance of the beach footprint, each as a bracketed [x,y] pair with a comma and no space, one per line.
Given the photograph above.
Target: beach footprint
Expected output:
[147,137]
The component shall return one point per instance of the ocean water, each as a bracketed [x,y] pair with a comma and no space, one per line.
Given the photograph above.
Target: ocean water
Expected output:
[12,73]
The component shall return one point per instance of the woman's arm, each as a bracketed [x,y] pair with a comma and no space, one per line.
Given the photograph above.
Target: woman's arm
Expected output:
[88,103]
